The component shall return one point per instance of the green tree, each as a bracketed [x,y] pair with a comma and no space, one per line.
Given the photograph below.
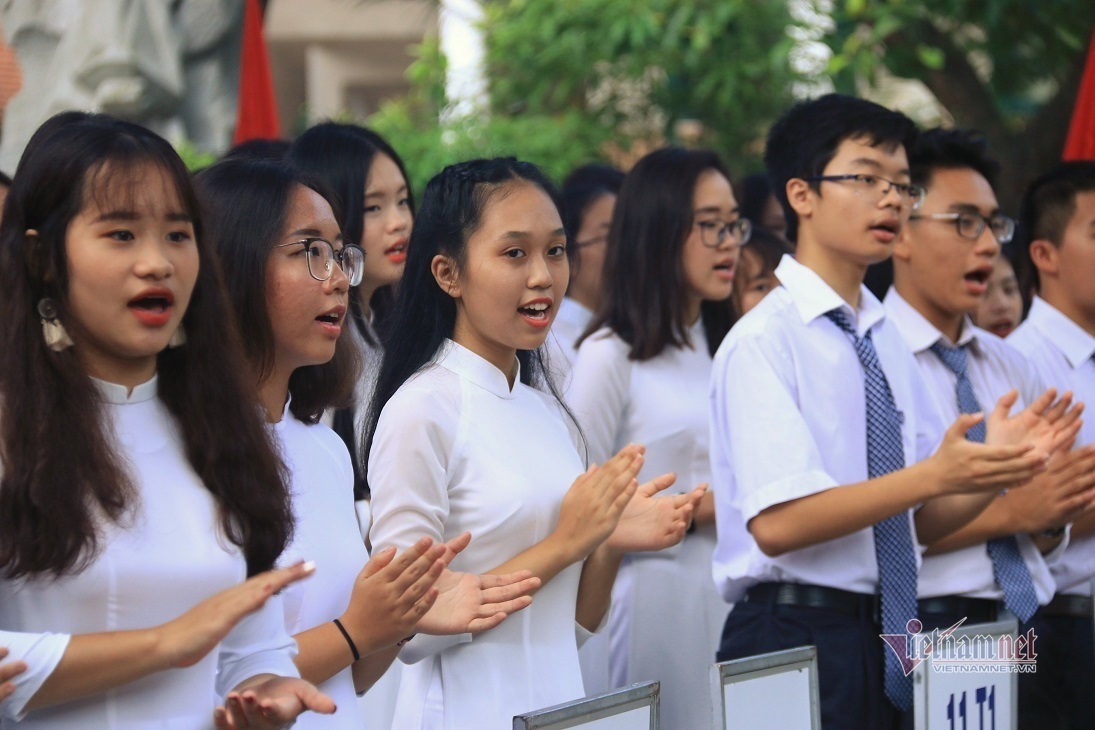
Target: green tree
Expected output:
[576,80]
[1007,68]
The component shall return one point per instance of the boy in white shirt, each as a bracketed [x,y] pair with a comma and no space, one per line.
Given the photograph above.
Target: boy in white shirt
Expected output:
[812,426]
[1056,257]
[942,264]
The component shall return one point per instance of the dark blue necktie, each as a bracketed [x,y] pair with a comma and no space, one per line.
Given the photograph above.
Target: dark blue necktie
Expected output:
[1008,566]
[892,538]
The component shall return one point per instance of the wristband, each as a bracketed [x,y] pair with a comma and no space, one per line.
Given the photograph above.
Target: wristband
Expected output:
[353,648]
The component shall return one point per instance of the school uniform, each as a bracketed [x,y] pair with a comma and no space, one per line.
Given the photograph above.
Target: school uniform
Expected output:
[456,449]
[562,343]
[787,421]
[326,533]
[662,404]
[163,559]
[994,368]
[1063,354]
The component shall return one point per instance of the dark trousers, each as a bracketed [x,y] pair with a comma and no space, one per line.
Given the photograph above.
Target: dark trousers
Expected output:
[849,656]
[1061,694]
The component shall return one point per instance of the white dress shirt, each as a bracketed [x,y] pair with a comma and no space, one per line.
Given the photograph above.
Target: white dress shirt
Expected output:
[169,556]
[662,404]
[570,322]
[457,450]
[1062,353]
[325,532]
[788,421]
[993,368]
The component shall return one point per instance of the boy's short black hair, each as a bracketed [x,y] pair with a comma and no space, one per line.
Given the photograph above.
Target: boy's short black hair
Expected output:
[951,149]
[1047,206]
[805,139]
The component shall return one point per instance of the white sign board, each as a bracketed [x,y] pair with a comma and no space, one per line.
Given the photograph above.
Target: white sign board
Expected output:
[631,708]
[777,691]
[967,678]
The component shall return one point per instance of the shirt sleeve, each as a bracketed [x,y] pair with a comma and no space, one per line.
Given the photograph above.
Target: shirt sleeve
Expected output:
[42,653]
[761,443]
[259,644]
[598,392]
[408,479]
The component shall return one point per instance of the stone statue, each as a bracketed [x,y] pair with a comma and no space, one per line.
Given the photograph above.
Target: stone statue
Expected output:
[170,65]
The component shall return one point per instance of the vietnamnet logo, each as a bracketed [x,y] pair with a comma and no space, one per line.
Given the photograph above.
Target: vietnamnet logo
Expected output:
[963,653]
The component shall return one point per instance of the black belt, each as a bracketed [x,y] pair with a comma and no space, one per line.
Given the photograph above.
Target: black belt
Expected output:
[976,610]
[859,605]
[1070,606]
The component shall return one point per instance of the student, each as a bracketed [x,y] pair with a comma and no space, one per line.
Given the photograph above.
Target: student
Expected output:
[1001,308]
[1055,255]
[377,213]
[755,274]
[460,439]
[589,199]
[822,428]
[760,205]
[642,377]
[138,479]
[942,264]
[289,277]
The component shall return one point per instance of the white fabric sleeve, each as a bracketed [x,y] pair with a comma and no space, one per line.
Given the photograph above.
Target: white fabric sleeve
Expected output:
[259,644]
[757,420]
[408,478]
[42,653]
[598,392]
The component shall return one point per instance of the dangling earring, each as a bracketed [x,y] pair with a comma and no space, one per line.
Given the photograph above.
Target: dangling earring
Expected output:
[53,331]
[178,339]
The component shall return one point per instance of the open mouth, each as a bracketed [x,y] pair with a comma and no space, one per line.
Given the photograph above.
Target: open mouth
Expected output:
[154,304]
[981,276]
[890,228]
[535,311]
[398,252]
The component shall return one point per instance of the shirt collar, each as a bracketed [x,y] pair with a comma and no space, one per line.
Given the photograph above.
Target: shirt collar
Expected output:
[119,395]
[1073,341]
[467,364]
[812,297]
[917,331]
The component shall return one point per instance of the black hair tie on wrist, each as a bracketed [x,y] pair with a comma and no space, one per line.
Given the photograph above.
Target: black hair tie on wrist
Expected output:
[353,648]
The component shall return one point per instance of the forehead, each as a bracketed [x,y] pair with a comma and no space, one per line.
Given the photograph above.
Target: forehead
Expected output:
[1084,212]
[959,187]
[713,190]
[520,206]
[859,155]
[143,188]
[383,172]
[307,209]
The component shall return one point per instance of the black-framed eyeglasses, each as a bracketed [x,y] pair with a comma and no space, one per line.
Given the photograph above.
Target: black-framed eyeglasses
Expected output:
[971,225]
[322,256]
[876,185]
[714,232]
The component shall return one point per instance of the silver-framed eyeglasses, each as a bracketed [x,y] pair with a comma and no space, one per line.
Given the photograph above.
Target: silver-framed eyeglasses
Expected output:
[971,225]
[322,257]
[877,186]
[714,232]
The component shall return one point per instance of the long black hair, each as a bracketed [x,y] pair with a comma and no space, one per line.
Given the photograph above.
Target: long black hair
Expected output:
[644,284]
[244,202]
[424,315]
[62,476]
[341,156]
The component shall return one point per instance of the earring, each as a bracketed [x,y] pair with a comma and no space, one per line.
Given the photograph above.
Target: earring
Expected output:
[178,339]
[53,331]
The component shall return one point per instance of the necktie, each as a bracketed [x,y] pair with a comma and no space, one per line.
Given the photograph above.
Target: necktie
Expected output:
[892,538]
[1008,566]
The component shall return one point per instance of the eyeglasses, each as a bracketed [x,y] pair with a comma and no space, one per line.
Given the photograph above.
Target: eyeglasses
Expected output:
[713,233]
[876,186]
[322,256]
[972,225]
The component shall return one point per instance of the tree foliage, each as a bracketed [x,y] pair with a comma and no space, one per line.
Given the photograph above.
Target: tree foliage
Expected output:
[1007,68]
[577,80]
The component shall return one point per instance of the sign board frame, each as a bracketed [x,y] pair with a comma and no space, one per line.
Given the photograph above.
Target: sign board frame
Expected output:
[580,713]
[763,665]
